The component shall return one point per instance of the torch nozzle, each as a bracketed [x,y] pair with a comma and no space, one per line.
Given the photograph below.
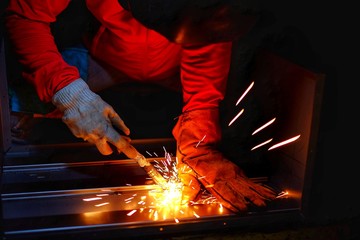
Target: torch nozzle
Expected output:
[151,171]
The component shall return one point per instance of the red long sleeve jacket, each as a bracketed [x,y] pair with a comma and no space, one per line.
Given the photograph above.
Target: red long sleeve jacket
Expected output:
[122,42]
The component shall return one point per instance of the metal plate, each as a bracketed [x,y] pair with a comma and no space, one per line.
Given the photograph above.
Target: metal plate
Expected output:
[78,198]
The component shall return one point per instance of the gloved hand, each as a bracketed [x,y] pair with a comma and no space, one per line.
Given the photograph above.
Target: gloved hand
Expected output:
[197,133]
[90,118]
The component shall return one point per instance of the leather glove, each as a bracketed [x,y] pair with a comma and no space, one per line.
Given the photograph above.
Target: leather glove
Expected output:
[199,162]
[90,118]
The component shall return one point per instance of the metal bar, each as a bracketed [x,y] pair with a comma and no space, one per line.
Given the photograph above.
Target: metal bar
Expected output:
[5,136]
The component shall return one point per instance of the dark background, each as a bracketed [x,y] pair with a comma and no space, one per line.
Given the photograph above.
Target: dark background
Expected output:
[321,35]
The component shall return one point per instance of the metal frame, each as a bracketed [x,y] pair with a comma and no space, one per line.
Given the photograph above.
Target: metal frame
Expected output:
[5,137]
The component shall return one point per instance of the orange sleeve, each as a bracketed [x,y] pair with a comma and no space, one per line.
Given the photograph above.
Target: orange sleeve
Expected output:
[204,74]
[28,27]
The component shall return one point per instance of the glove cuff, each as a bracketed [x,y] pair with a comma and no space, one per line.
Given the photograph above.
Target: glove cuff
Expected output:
[75,93]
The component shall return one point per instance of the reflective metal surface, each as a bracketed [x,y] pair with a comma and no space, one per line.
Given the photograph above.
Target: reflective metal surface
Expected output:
[48,199]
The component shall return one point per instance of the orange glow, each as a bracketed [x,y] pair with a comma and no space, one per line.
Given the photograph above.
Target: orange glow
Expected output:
[170,196]
[284,142]
[165,204]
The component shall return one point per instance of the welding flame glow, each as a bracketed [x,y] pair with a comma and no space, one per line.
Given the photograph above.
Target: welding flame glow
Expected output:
[166,203]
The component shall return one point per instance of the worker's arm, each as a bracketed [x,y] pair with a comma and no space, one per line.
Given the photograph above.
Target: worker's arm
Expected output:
[28,26]
[84,112]
[204,73]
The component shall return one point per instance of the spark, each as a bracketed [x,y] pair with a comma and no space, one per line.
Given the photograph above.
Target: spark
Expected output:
[166,203]
[221,209]
[262,144]
[263,126]
[155,154]
[236,117]
[284,142]
[196,215]
[282,194]
[101,204]
[164,149]
[200,141]
[243,95]
[102,195]
[129,199]
[149,153]
[92,199]
[180,35]
[132,212]
[156,215]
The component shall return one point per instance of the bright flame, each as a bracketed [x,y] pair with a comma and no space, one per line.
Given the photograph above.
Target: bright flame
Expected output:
[166,203]
[170,196]
[284,142]
[243,95]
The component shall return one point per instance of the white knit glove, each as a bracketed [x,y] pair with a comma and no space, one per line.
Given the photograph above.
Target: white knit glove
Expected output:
[90,118]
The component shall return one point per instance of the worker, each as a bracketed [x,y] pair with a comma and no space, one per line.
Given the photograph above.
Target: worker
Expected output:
[149,42]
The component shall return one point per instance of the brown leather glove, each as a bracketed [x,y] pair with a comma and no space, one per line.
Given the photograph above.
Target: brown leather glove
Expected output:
[198,133]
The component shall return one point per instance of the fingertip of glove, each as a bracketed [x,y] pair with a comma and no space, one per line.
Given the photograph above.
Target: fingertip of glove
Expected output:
[127,132]
[259,203]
